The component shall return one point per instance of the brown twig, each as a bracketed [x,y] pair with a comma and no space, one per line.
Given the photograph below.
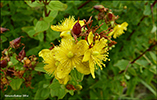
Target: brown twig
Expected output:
[46,15]
[152,5]
[134,29]
[84,4]
[144,53]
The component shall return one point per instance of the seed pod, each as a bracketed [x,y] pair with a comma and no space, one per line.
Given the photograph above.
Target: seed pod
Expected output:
[22,54]
[3,63]
[3,29]
[15,43]
[110,16]
[77,28]
[99,7]
[70,87]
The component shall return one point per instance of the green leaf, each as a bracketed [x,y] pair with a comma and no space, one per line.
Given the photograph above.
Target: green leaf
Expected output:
[153,55]
[40,67]
[3,38]
[40,37]
[4,13]
[153,69]
[77,76]
[56,5]
[16,83]
[104,26]
[45,93]
[52,35]
[122,64]
[42,93]
[154,29]
[56,89]
[41,26]
[34,4]
[148,86]
[132,71]
[47,76]
[34,50]
[13,60]
[132,84]
[93,95]
[147,10]
[51,16]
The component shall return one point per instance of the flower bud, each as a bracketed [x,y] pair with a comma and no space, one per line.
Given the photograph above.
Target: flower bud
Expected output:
[99,7]
[15,43]
[77,28]
[70,87]
[110,16]
[78,87]
[3,63]
[22,54]
[3,29]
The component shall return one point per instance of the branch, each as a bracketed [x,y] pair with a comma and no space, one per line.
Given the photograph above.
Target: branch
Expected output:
[137,25]
[143,53]
[84,4]
[152,5]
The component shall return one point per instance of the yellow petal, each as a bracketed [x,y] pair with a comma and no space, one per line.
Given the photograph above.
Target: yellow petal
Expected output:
[83,68]
[90,38]
[81,22]
[86,56]
[63,80]
[63,70]
[91,65]
[65,25]
[66,35]
[44,53]
[81,47]
[124,25]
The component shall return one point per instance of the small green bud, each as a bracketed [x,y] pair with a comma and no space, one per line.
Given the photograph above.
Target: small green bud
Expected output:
[70,54]
[95,53]
[10,63]
[56,63]
[78,87]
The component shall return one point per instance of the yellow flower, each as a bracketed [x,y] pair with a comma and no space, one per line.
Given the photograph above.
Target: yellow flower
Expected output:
[118,30]
[70,55]
[96,54]
[51,63]
[66,25]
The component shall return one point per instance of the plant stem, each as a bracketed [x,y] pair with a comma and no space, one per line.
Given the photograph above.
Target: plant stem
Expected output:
[46,15]
[144,53]
[134,29]
[84,4]
[152,5]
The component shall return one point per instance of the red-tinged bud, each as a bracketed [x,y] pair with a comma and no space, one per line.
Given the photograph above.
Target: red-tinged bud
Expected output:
[22,54]
[3,63]
[99,7]
[77,28]
[3,29]
[70,87]
[110,16]
[15,43]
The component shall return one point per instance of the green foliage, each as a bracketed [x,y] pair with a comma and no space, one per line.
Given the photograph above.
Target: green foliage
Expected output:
[120,79]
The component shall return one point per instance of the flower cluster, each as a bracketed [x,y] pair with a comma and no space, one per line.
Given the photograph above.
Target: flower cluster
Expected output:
[80,48]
